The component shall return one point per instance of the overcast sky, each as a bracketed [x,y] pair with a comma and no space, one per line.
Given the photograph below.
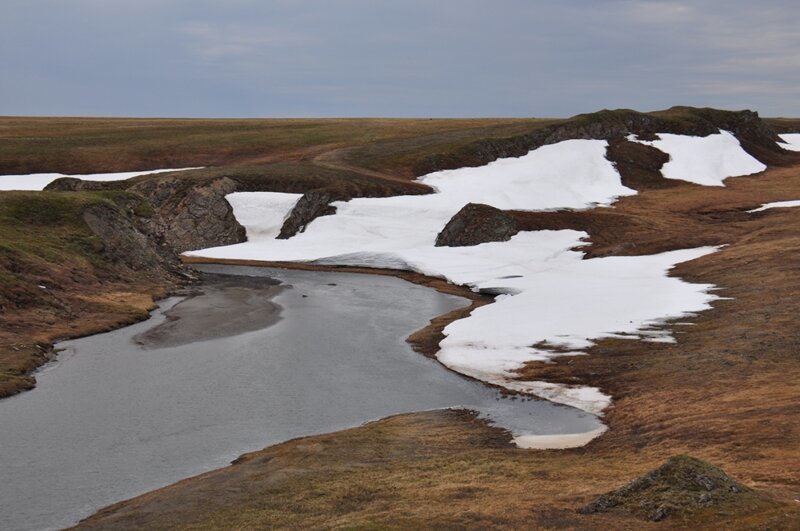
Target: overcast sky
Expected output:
[265,58]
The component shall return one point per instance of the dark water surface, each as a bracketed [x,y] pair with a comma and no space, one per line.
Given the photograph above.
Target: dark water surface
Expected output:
[122,413]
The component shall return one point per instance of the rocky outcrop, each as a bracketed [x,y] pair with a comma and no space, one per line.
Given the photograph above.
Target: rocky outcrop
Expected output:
[191,215]
[639,165]
[476,223]
[680,487]
[123,243]
[187,214]
[756,137]
[308,208]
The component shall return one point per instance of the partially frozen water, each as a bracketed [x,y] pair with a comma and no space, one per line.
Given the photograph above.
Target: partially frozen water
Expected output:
[110,420]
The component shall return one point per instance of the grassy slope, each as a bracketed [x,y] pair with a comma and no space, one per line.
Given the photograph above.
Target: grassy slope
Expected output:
[784,125]
[55,280]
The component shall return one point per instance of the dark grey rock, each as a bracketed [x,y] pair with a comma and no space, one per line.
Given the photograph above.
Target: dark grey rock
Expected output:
[308,208]
[476,223]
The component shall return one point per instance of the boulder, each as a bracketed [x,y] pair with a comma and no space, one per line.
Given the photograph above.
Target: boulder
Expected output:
[477,223]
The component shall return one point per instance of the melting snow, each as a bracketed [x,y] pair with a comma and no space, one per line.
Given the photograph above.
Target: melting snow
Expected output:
[791,141]
[778,204]
[706,160]
[262,213]
[38,181]
[552,296]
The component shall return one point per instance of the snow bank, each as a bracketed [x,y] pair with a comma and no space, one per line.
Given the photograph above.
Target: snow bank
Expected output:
[560,441]
[791,141]
[384,232]
[706,160]
[563,305]
[38,181]
[778,204]
[555,303]
[262,213]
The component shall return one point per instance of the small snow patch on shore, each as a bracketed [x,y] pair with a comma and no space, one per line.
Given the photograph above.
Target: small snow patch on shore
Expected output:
[777,204]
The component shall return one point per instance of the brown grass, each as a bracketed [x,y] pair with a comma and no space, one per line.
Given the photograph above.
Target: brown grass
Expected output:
[56,282]
[89,145]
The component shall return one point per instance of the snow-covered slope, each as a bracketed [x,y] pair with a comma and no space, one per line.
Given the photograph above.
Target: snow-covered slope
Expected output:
[262,213]
[791,141]
[38,181]
[706,160]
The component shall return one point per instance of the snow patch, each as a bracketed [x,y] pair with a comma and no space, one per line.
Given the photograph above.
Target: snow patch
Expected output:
[38,181]
[791,141]
[706,160]
[559,442]
[777,204]
[262,213]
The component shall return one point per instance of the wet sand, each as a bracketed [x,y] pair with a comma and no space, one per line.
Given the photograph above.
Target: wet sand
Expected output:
[224,306]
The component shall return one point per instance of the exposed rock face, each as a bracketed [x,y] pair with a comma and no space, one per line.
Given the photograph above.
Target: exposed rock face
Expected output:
[191,215]
[639,165]
[681,486]
[187,214]
[308,208]
[122,242]
[476,223]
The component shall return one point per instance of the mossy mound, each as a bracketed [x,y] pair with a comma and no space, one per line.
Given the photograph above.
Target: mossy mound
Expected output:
[681,488]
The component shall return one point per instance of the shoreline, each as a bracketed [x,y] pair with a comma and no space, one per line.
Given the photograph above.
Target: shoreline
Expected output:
[425,341]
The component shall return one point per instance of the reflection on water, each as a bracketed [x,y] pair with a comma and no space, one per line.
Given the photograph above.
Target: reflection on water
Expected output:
[110,419]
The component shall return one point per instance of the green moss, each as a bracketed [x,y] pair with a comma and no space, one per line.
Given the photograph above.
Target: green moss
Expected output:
[682,488]
[37,227]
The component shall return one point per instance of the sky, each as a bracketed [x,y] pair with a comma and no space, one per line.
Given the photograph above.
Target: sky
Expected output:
[423,58]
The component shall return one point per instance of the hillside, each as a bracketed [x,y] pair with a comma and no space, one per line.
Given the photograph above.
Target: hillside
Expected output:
[726,392]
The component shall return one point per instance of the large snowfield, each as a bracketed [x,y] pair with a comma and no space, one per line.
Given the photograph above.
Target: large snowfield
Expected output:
[38,181]
[552,301]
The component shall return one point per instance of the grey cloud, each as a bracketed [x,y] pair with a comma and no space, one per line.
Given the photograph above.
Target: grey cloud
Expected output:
[395,58]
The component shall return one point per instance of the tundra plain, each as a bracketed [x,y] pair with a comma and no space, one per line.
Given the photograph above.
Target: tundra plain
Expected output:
[84,257]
